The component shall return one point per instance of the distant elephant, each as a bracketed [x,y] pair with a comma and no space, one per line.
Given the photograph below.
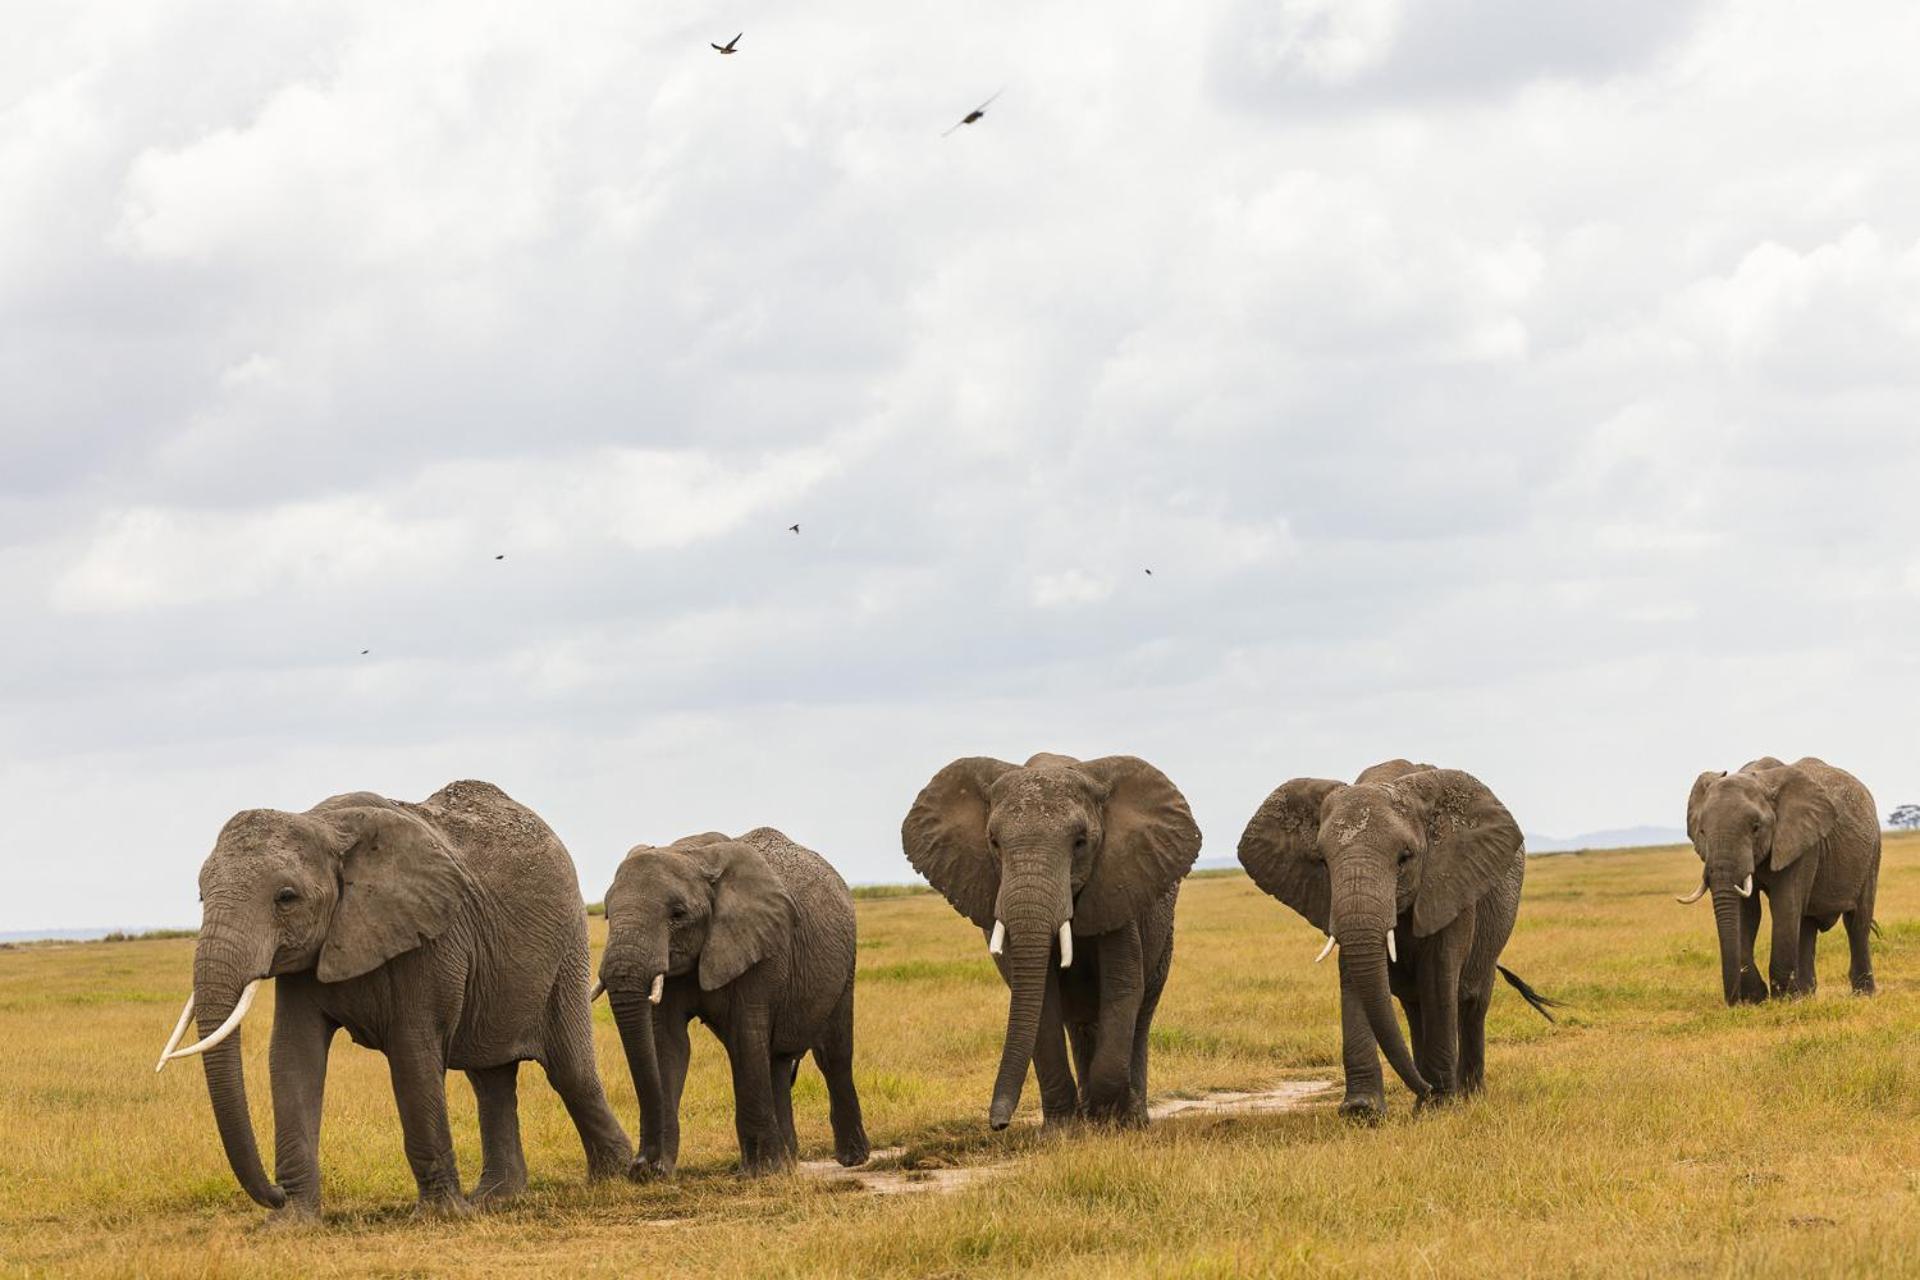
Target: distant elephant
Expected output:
[1090,854]
[446,934]
[1428,856]
[1808,836]
[755,937]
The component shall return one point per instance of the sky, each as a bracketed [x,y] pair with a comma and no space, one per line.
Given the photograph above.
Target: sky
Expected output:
[1529,389]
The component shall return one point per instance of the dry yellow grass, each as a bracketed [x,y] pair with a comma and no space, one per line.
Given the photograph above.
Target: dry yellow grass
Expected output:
[1653,1132]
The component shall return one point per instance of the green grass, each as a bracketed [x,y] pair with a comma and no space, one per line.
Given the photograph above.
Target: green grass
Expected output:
[1652,1132]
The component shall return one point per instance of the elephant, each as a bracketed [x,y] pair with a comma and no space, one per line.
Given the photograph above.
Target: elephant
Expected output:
[1807,836]
[446,934]
[1086,853]
[1414,873]
[755,937]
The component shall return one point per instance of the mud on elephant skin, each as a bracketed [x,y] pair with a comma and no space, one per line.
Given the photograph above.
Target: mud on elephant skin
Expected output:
[1073,862]
[754,937]
[1806,836]
[446,934]
[1414,873]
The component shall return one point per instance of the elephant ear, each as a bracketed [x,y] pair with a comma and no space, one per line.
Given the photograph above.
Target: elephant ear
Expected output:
[1472,841]
[1803,816]
[399,887]
[752,912]
[1148,841]
[1696,800]
[945,836]
[1280,847]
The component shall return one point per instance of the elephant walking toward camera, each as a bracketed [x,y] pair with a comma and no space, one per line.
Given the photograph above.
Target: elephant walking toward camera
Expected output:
[446,934]
[1079,863]
[1414,873]
[1807,836]
[755,937]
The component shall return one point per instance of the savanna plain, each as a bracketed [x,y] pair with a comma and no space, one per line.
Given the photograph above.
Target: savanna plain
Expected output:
[1653,1131]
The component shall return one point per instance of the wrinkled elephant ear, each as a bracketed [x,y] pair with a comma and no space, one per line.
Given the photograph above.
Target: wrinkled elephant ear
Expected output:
[1280,848]
[399,887]
[945,836]
[1802,814]
[752,911]
[1696,801]
[1472,841]
[1148,841]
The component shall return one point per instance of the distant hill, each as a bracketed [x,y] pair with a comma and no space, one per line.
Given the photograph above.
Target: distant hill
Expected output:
[1619,838]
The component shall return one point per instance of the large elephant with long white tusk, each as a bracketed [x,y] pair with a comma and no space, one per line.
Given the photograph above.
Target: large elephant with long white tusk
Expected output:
[1414,873]
[1071,870]
[1807,836]
[447,934]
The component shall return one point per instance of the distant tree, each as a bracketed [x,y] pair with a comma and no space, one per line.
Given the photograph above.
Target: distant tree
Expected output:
[1906,817]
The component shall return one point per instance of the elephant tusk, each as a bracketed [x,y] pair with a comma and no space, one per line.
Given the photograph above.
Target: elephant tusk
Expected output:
[1326,950]
[227,1028]
[1696,895]
[1066,944]
[658,989]
[1746,889]
[1393,957]
[998,942]
[599,989]
[179,1032]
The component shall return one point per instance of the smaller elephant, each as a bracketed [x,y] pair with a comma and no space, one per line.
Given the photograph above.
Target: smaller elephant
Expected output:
[1430,857]
[755,937]
[1807,836]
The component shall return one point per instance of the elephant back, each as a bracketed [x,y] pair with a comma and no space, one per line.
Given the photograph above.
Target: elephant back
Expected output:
[504,844]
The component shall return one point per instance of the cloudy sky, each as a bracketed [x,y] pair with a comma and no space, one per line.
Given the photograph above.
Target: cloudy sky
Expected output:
[1529,388]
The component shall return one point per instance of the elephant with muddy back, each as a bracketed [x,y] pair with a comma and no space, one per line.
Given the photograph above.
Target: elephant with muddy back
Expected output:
[1807,836]
[754,937]
[1414,873]
[1070,870]
[445,934]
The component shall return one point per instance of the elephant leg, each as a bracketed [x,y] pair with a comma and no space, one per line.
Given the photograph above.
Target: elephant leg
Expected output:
[1473,1041]
[784,1068]
[1753,989]
[1366,1097]
[1439,1031]
[755,1120]
[297,1064]
[1859,923]
[1137,1068]
[503,1164]
[834,1054]
[1059,1095]
[574,1075]
[1109,1086]
[419,1075]
[1784,962]
[1807,979]
[673,1053]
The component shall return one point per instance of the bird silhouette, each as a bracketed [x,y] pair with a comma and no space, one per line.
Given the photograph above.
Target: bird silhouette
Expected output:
[1149,573]
[499,557]
[365,652]
[728,47]
[793,528]
[977,112]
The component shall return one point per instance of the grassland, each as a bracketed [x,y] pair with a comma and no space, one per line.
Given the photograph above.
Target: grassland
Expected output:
[1652,1132]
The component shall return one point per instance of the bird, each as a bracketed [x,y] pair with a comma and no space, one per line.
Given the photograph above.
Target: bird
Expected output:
[499,557]
[728,47]
[365,652]
[793,528]
[977,112]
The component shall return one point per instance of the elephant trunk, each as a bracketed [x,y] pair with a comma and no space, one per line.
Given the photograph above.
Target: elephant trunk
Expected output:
[1726,922]
[220,970]
[1363,975]
[633,1014]
[1033,905]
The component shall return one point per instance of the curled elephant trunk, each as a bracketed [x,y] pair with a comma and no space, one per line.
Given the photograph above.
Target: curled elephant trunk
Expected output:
[1029,952]
[219,975]
[1363,973]
[633,1015]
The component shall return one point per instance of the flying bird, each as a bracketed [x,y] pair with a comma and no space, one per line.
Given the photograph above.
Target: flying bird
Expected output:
[728,47]
[1149,573]
[977,112]
[365,652]
[499,557]
[793,528]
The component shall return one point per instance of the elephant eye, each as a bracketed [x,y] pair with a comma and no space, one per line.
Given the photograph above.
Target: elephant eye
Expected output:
[677,912]
[286,895]
[1406,855]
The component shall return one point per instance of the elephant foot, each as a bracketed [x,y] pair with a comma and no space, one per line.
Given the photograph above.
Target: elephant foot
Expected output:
[853,1153]
[493,1191]
[1863,985]
[1363,1109]
[291,1216]
[650,1169]
[609,1163]
[450,1206]
[1438,1098]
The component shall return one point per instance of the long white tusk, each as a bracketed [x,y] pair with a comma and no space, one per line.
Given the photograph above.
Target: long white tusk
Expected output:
[1066,944]
[659,988]
[1746,889]
[179,1032]
[1392,955]
[1696,895]
[599,989]
[227,1028]
[1325,951]
[998,942]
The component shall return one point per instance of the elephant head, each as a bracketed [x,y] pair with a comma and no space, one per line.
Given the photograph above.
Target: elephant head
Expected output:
[1047,850]
[704,903]
[1767,816]
[339,891]
[1354,859]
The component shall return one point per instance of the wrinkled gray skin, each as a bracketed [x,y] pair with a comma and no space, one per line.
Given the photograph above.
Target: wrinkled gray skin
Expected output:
[1102,844]
[756,939]
[1809,835]
[1429,853]
[446,934]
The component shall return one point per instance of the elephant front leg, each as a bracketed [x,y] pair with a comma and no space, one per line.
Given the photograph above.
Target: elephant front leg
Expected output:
[503,1163]
[1753,988]
[1122,979]
[1783,965]
[1439,1033]
[419,1075]
[1059,1095]
[763,1147]
[1366,1097]
[660,1135]
[297,1064]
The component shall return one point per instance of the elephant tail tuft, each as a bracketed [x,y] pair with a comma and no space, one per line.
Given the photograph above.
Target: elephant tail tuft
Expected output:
[1539,1002]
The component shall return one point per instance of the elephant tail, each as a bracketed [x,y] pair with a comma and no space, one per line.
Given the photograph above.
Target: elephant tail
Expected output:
[1539,1002]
